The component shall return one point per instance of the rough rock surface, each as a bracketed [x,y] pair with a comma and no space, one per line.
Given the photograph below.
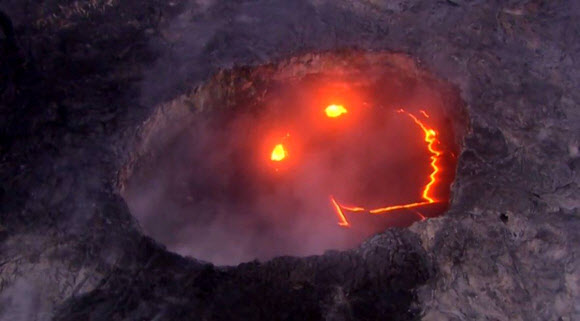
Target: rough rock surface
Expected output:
[79,78]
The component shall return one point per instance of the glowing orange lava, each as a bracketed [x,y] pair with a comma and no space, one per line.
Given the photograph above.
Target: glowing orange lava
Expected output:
[343,221]
[278,154]
[334,111]
[431,140]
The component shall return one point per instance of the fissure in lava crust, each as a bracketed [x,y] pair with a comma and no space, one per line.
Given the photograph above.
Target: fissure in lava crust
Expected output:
[431,140]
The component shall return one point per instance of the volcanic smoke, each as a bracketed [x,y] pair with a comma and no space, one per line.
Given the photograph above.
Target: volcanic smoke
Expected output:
[298,165]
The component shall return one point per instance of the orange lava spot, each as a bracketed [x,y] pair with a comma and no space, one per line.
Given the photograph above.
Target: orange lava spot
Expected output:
[334,111]
[431,140]
[278,154]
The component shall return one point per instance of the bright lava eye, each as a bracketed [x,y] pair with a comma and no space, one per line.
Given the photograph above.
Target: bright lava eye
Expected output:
[334,111]
[279,153]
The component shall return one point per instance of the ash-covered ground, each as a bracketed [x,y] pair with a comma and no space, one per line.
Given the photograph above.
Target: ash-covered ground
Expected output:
[80,79]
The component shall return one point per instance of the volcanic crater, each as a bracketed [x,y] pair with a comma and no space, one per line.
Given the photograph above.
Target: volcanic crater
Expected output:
[208,183]
[132,131]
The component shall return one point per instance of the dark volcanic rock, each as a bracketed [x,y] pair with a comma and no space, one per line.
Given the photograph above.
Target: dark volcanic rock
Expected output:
[376,279]
[79,79]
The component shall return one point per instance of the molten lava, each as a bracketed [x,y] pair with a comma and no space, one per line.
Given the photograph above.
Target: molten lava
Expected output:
[278,154]
[431,140]
[334,111]
[338,209]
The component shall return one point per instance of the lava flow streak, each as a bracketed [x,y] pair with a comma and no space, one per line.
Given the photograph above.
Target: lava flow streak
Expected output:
[431,140]
[343,221]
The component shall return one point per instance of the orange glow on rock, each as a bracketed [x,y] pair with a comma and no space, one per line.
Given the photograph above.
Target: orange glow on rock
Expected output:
[279,153]
[334,111]
[431,140]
